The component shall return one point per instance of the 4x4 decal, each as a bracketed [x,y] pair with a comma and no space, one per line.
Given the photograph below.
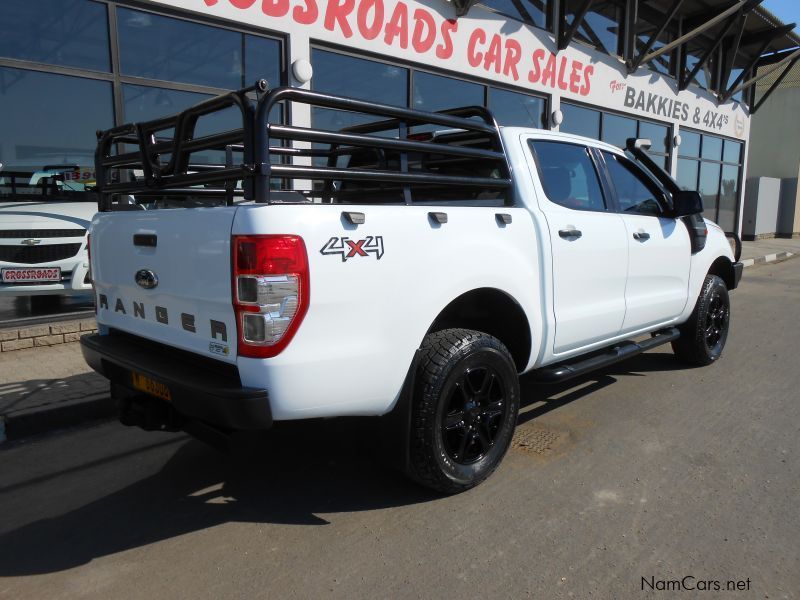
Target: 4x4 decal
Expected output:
[348,248]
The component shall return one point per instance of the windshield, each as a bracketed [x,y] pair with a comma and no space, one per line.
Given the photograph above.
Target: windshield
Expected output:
[71,183]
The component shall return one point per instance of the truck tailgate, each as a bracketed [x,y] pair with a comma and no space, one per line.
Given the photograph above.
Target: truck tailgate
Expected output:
[166,275]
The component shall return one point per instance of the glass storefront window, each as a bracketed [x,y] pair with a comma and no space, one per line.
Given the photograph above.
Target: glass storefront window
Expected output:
[709,188]
[728,195]
[732,152]
[69,33]
[690,144]
[580,121]
[434,92]
[169,49]
[515,109]
[715,174]
[617,130]
[687,174]
[657,134]
[357,77]
[262,59]
[50,120]
[712,147]
[142,103]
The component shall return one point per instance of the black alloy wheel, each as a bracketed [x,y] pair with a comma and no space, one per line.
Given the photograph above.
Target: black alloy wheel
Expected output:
[474,413]
[463,409]
[716,323]
[704,334]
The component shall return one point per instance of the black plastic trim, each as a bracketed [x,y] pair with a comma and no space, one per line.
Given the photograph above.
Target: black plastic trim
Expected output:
[618,352]
[738,269]
[197,392]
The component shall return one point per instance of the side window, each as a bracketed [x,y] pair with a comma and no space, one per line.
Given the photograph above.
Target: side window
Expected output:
[568,175]
[636,194]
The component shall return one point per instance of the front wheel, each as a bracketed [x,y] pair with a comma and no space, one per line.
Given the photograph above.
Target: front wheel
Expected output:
[703,336]
[464,409]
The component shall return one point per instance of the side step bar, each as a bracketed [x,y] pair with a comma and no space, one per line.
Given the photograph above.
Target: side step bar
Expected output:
[617,353]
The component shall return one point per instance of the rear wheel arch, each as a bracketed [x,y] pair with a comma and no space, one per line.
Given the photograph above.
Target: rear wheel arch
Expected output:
[494,312]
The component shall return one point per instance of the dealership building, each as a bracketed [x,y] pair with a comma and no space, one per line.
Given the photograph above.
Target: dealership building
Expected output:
[680,72]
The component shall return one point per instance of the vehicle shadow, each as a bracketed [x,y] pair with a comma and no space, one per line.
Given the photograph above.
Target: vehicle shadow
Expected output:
[292,475]
[544,398]
[295,474]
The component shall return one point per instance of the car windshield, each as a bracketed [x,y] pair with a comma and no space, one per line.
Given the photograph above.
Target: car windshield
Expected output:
[71,183]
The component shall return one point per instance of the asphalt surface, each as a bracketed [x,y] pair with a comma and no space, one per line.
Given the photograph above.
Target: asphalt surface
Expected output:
[647,470]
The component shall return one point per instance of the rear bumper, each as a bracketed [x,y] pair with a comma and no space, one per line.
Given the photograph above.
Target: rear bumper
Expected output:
[737,274]
[196,391]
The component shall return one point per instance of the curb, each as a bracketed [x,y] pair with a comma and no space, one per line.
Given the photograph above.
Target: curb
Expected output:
[35,421]
[749,262]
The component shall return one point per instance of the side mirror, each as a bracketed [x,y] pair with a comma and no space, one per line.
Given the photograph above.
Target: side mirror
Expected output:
[686,203]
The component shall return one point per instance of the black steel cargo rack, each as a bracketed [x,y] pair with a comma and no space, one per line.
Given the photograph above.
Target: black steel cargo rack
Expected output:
[406,156]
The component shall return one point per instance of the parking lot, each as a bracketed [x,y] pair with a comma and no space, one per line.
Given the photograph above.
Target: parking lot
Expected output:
[617,486]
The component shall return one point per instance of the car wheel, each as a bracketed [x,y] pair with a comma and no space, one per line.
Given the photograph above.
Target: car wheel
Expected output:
[703,336]
[464,409]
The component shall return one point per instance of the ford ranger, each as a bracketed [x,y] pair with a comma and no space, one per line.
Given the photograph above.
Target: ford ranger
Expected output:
[410,266]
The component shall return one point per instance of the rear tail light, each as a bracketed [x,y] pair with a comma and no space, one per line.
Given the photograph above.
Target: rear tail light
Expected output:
[270,291]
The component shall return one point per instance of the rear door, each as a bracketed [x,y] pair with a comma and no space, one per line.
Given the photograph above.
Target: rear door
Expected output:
[660,249]
[166,275]
[589,246]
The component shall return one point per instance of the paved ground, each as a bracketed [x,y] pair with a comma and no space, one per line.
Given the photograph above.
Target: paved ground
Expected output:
[644,471]
[770,246]
[42,388]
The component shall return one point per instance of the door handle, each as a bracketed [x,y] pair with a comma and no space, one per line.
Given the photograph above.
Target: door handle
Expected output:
[641,235]
[570,233]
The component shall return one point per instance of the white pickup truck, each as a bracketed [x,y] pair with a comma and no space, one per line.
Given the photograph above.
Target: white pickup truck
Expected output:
[419,264]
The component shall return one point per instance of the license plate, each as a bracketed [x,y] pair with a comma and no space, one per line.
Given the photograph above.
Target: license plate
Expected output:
[31,275]
[143,383]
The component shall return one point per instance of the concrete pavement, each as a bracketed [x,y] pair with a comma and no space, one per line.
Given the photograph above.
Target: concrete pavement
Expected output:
[48,388]
[769,250]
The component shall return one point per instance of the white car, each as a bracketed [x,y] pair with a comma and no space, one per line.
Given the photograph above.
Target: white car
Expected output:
[43,235]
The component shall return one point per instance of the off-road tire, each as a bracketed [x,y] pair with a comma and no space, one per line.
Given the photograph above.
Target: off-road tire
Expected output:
[704,335]
[453,364]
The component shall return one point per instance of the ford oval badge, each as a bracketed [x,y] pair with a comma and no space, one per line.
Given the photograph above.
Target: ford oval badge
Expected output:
[146,279]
